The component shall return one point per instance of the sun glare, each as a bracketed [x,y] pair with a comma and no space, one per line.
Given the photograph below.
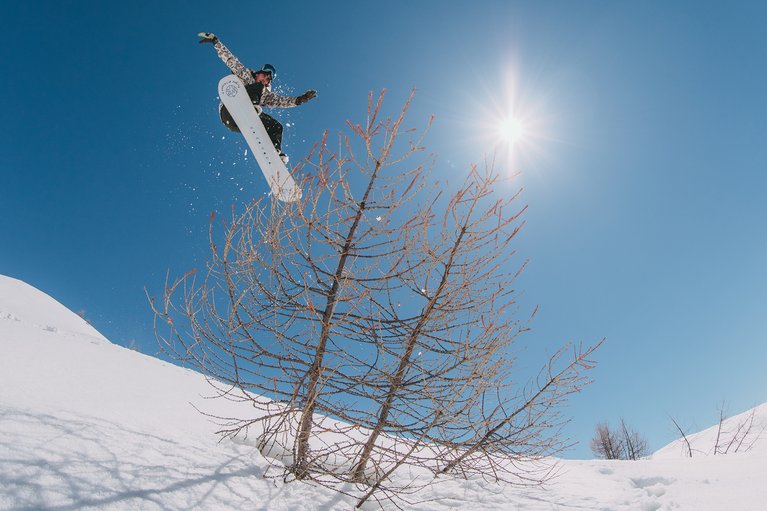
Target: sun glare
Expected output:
[509,122]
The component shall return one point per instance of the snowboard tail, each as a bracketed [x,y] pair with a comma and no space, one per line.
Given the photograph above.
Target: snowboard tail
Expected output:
[235,98]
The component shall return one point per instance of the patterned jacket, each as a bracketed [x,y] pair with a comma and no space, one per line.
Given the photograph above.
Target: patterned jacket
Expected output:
[259,94]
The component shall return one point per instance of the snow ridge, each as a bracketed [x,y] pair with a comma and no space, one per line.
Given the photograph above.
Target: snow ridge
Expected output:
[21,302]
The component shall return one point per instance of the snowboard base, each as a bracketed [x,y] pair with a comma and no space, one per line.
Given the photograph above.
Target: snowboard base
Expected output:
[233,95]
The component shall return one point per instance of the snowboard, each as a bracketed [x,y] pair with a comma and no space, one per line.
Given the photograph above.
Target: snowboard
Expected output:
[233,95]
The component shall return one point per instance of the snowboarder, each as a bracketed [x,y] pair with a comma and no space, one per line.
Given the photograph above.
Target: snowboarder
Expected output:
[258,84]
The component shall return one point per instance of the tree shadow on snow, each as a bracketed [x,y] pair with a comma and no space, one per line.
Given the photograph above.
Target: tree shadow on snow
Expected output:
[65,462]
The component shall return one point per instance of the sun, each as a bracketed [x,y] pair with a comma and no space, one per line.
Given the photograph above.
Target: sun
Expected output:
[509,120]
[511,131]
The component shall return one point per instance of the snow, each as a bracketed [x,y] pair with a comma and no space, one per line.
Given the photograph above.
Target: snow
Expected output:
[740,433]
[86,424]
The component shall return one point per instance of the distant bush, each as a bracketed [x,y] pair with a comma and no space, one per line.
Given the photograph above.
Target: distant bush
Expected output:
[623,443]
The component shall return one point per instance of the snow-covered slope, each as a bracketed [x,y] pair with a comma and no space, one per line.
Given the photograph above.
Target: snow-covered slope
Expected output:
[87,424]
[746,432]
[21,302]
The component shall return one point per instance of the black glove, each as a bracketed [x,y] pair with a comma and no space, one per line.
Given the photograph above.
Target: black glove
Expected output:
[306,96]
[207,37]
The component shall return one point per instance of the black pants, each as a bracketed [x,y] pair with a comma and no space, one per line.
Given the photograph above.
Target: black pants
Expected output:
[272,125]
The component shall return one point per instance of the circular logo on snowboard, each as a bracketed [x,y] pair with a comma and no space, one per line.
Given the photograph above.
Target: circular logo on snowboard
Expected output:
[231,89]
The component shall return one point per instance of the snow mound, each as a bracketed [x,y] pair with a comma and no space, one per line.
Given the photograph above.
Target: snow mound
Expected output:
[746,432]
[88,424]
[21,302]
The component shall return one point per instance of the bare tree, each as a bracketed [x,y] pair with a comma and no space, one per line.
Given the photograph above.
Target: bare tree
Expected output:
[371,325]
[634,444]
[684,437]
[720,426]
[606,443]
[625,443]
[732,436]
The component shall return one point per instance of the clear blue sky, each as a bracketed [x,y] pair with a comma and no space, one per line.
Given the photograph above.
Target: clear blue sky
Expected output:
[647,218]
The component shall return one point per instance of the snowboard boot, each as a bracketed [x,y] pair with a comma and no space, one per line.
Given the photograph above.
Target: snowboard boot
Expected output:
[227,119]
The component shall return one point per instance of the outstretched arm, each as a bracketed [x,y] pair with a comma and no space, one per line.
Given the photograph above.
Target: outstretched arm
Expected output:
[232,62]
[270,99]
